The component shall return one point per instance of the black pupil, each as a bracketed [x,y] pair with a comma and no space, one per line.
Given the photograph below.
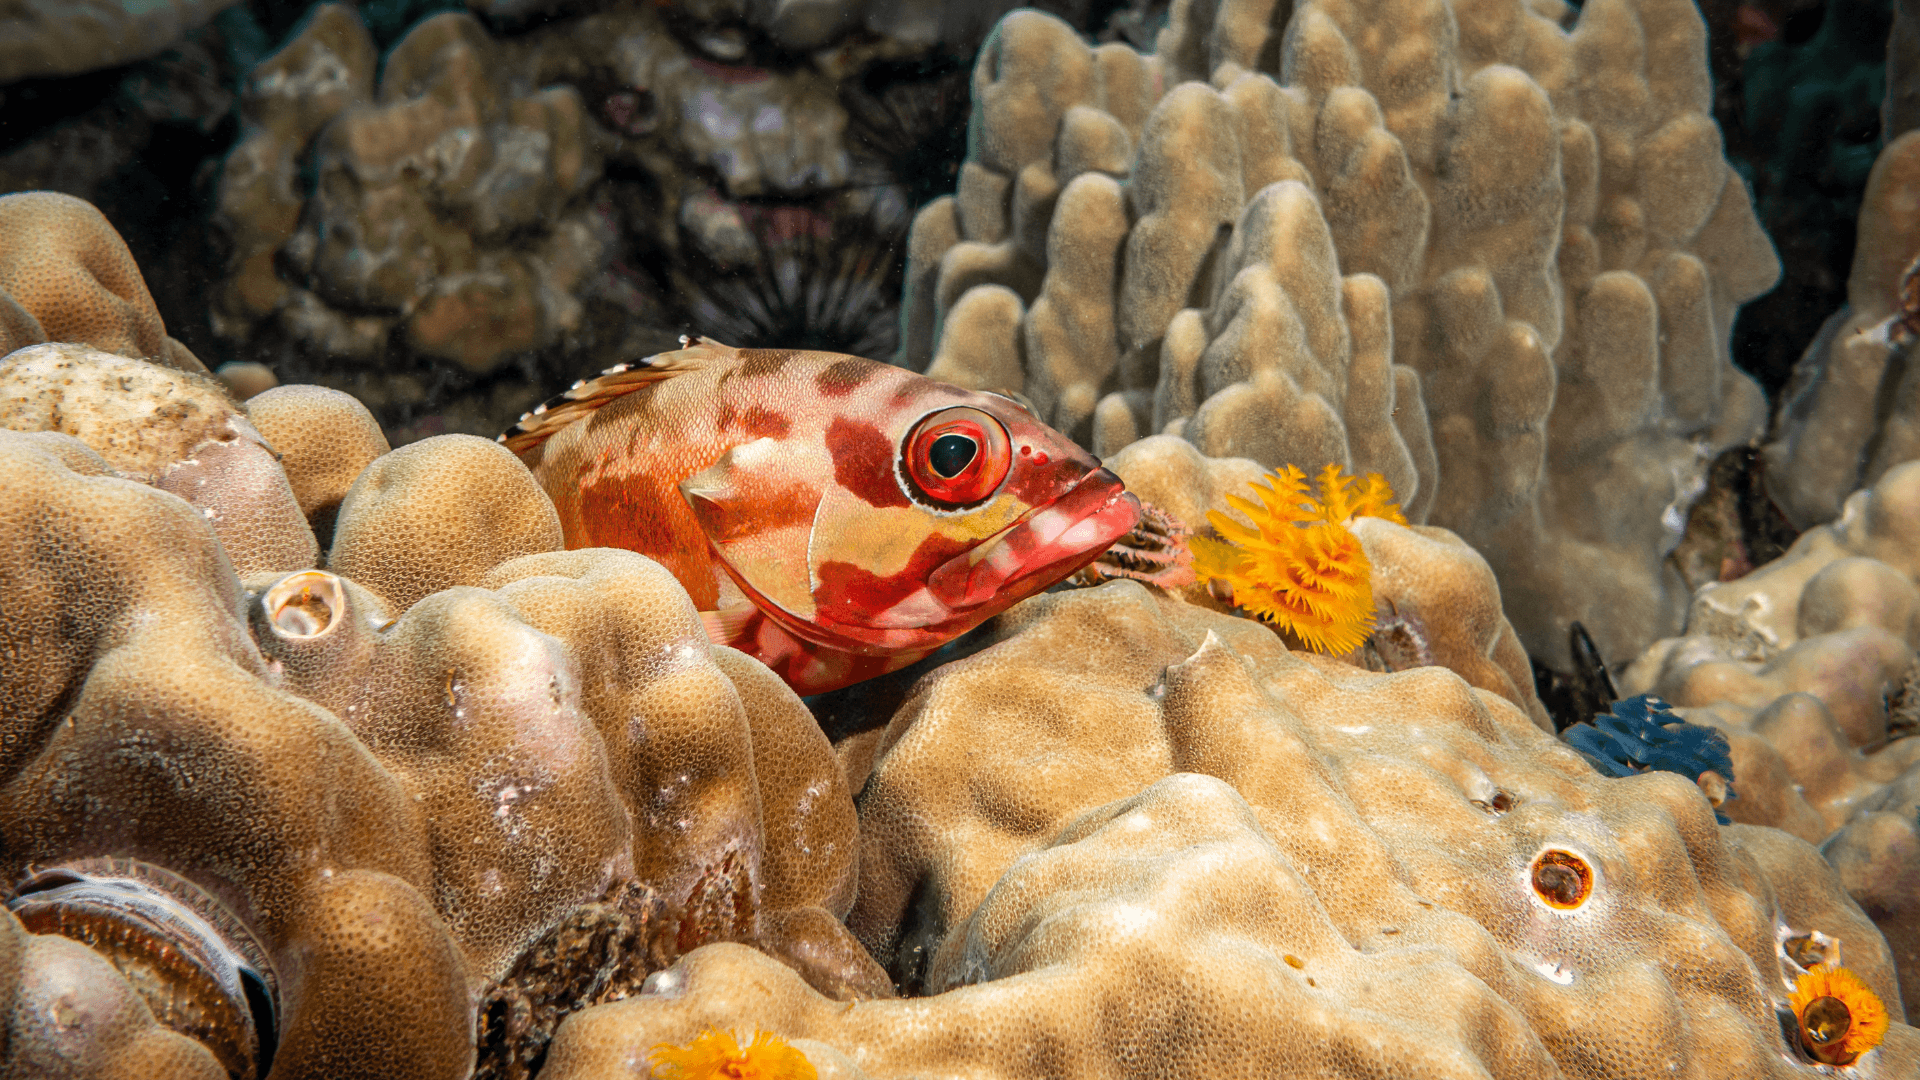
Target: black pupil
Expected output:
[950,454]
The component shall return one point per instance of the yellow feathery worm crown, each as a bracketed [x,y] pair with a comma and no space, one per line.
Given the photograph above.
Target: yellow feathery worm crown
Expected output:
[1299,566]
[1840,1018]
[716,1055]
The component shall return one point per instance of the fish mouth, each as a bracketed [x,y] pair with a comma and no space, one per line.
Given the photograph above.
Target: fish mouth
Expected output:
[1041,546]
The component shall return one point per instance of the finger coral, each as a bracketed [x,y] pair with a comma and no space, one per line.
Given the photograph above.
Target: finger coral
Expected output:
[1299,566]
[1499,268]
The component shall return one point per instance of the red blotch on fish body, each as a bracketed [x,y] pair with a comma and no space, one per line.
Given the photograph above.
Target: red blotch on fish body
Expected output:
[1038,480]
[755,422]
[863,462]
[853,594]
[756,363]
[645,512]
[842,377]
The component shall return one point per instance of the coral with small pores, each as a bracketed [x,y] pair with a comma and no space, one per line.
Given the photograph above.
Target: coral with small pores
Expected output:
[1435,600]
[1808,666]
[395,790]
[66,276]
[1499,269]
[1412,877]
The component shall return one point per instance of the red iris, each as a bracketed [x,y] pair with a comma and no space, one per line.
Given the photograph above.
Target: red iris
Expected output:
[958,456]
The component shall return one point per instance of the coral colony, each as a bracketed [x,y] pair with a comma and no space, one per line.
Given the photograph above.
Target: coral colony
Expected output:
[1132,673]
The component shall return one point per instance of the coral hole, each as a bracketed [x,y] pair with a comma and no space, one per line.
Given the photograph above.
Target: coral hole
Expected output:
[306,605]
[1562,879]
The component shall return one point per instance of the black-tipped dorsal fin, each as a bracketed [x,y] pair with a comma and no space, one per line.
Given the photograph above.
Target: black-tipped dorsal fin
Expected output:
[582,398]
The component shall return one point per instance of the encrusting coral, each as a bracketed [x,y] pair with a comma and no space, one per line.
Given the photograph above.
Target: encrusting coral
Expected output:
[1499,268]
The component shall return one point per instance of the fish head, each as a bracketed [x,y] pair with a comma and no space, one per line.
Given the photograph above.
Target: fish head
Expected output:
[904,511]
[969,505]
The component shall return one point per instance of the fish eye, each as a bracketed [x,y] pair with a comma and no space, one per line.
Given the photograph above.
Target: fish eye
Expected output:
[958,456]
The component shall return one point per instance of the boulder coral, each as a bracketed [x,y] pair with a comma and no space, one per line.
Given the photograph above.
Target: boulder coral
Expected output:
[385,792]
[1436,600]
[1135,836]
[66,276]
[1499,268]
[1809,665]
[450,205]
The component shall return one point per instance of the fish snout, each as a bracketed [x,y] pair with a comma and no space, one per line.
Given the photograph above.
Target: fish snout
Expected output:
[1042,547]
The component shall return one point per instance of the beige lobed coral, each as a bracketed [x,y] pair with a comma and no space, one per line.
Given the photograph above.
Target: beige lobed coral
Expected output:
[502,204]
[1808,664]
[1498,266]
[1436,601]
[1135,837]
[449,205]
[1851,410]
[394,788]
[65,275]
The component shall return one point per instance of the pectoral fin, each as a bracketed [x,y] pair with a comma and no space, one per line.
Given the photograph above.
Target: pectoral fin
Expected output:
[731,626]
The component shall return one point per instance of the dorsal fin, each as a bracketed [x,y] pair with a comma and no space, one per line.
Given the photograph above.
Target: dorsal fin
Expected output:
[582,398]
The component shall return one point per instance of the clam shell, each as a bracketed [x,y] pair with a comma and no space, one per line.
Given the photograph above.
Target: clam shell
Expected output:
[198,967]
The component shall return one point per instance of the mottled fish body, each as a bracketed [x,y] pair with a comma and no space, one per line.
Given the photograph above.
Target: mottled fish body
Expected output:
[836,517]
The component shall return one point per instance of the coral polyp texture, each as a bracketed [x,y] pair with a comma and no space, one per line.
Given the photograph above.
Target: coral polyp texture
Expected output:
[1499,268]
[316,820]
[66,276]
[1269,863]
[1808,665]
